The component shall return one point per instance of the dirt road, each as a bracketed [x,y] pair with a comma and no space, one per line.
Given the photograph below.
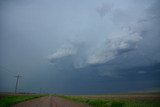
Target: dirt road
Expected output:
[50,101]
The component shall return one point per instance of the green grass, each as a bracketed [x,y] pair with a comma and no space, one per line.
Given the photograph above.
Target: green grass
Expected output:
[95,102]
[142,104]
[12,100]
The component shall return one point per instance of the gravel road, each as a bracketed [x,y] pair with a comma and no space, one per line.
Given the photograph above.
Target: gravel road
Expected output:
[50,101]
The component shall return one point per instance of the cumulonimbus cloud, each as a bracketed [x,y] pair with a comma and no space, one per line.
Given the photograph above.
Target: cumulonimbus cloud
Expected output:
[118,43]
[117,37]
[64,51]
[103,9]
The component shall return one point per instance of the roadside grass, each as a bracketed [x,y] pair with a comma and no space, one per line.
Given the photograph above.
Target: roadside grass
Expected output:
[95,102]
[14,99]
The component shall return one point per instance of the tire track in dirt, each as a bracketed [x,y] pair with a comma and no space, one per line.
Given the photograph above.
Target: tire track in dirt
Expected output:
[53,103]
[50,101]
[32,103]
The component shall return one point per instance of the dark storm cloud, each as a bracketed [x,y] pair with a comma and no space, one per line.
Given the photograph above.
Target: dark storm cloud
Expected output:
[104,9]
[95,45]
[127,37]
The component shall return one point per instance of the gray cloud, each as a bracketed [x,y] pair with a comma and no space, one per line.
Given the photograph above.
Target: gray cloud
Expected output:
[119,43]
[115,45]
[64,51]
[82,42]
[104,9]
[127,36]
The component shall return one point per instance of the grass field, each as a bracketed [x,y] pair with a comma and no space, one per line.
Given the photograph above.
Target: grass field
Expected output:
[118,100]
[9,100]
[124,100]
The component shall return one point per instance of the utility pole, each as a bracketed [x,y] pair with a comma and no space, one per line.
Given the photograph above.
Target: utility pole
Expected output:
[40,90]
[17,81]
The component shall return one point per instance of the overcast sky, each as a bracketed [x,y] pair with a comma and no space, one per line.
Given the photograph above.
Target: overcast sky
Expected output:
[80,46]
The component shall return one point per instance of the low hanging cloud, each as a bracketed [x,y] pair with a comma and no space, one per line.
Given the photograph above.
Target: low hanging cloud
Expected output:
[118,43]
[64,51]
[119,37]
[125,41]
[103,9]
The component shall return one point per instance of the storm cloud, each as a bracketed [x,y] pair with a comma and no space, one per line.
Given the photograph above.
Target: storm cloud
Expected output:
[97,46]
[105,46]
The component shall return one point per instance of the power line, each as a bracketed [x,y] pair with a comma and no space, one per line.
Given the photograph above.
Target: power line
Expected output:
[17,76]
[7,70]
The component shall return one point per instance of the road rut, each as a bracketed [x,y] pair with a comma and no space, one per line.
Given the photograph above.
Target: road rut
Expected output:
[50,101]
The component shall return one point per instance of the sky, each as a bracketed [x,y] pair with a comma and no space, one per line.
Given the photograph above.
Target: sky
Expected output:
[80,46]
